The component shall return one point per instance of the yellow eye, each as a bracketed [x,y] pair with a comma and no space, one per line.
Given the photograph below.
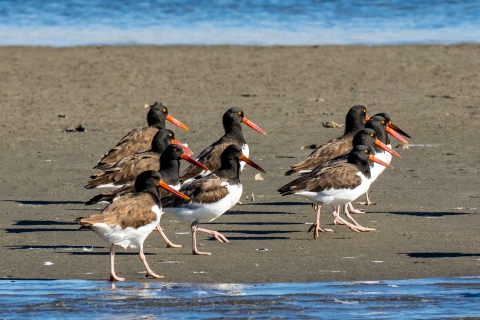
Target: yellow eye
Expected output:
[383,121]
[170,134]
[372,134]
[164,110]
[175,149]
[366,151]
[240,112]
[364,110]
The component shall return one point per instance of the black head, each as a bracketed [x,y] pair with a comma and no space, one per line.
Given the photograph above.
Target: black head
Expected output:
[172,152]
[147,181]
[360,154]
[355,119]
[232,119]
[157,114]
[379,124]
[385,116]
[162,140]
[365,137]
[231,152]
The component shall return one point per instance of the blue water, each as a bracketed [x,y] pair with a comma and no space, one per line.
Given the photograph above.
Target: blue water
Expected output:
[402,299]
[239,22]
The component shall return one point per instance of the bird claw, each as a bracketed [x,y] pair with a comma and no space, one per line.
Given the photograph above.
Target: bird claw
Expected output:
[113,277]
[220,237]
[154,275]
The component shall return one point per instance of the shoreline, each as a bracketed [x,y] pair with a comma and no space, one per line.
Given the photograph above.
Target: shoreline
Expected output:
[427,206]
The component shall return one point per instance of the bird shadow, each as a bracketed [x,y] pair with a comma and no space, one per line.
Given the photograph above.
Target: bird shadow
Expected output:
[43,223]
[41,202]
[440,254]
[34,223]
[277,203]
[273,223]
[241,212]
[107,253]
[86,248]
[427,213]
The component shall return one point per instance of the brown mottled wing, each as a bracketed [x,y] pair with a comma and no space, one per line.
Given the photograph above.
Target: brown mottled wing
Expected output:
[210,157]
[133,210]
[135,141]
[338,175]
[110,195]
[204,190]
[327,151]
[126,169]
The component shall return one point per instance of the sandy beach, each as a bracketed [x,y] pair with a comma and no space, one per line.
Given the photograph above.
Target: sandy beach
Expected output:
[427,211]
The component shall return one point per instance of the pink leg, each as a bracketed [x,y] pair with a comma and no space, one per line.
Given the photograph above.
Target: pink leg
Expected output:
[150,273]
[194,228]
[113,276]
[353,210]
[336,215]
[345,210]
[170,244]
[316,226]
[368,202]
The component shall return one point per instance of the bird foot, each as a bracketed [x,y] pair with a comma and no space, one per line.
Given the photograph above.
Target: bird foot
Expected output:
[239,203]
[113,277]
[338,222]
[316,230]
[365,203]
[173,245]
[153,274]
[196,252]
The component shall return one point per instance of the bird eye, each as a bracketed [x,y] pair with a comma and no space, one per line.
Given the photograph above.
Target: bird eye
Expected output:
[364,110]
[164,110]
[175,149]
[240,112]
[383,121]
[169,134]
[366,151]
[372,134]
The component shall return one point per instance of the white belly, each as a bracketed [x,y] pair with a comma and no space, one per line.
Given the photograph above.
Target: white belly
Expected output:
[208,212]
[377,169]
[246,153]
[128,237]
[336,197]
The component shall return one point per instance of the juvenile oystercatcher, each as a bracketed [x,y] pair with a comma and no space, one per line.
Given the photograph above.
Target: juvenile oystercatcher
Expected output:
[210,157]
[354,122]
[130,219]
[336,183]
[211,195]
[140,139]
[127,168]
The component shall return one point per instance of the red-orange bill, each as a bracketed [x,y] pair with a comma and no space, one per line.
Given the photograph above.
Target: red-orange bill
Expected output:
[396,135]
[176,122]
[253,126]
[371,157]
[367,118]
[193,161]
[403,133]
[251,163]
[184,147]
[165,186]
[386,148]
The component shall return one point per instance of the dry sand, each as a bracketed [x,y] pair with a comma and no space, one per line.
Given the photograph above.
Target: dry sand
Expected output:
[427,214]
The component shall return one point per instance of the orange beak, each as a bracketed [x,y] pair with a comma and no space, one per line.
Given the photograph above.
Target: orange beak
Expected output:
[384,147]
[176,122]
[394,127]
[395,134]
[184,147]
[165,186]
[371,157]
[367,118]
[193,161]
[251,163]
[253,126]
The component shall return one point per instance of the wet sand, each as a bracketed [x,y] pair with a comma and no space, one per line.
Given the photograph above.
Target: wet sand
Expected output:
[427,211]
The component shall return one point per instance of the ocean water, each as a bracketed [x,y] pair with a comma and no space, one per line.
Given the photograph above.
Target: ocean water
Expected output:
[404,299]
[238,22]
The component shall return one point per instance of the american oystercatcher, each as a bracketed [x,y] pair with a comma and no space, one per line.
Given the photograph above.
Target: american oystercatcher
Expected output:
[210,157]
[130,219]
[211,195]
[140,139]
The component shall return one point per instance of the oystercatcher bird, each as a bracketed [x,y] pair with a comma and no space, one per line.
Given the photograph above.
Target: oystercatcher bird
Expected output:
[336,183]
[211,195]
[140,139]
[210,157]
[169,170]
[383,126]
[127,168]
[130,219]
[354,122]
